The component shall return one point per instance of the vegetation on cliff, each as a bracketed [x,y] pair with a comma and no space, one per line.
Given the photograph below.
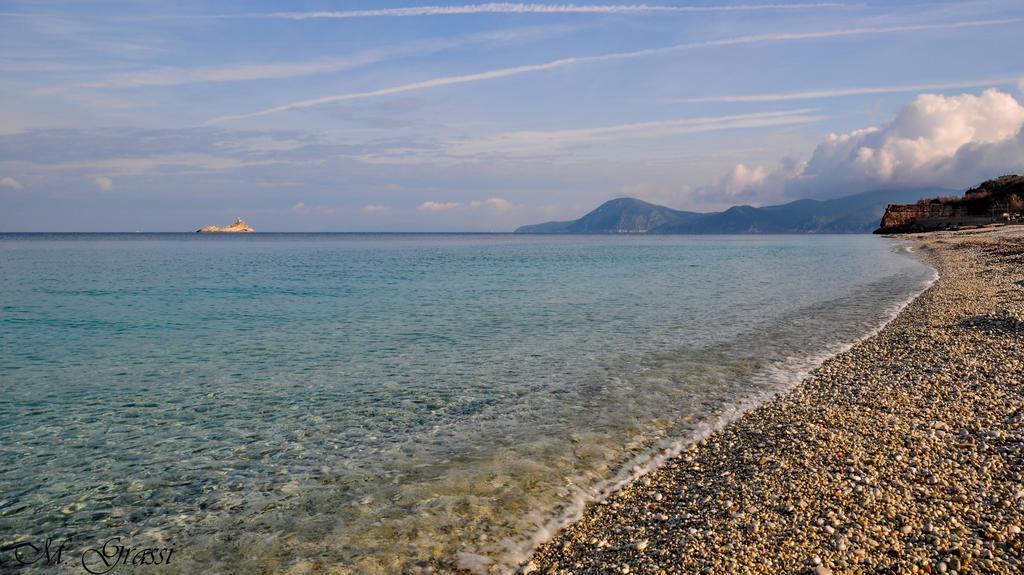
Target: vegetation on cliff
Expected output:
[997,200]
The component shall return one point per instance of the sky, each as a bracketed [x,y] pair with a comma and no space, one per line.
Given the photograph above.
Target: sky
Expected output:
[404,116]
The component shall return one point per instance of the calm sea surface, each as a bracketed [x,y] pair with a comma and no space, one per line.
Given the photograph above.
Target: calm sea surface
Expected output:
[388,403]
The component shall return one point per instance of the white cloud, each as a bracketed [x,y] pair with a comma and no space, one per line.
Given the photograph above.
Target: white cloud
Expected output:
[934,140]
[946,141]
[496,205]
[615,56]
[493,204]
[375,209]
[303,210]
[500,205]
[523,8]
[11,183]
[742,178]
[438,206]
[103,183]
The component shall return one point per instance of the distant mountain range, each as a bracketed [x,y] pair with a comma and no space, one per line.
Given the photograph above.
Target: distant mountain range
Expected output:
[856,214]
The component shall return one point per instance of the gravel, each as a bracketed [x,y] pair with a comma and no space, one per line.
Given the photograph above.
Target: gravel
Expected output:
[903,455]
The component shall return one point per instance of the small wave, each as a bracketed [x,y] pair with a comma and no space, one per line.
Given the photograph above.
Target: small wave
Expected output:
[783,377]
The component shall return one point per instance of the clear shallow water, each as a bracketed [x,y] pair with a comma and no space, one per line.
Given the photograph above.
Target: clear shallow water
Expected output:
[388,403]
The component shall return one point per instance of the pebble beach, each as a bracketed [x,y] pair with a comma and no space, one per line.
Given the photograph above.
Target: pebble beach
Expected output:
[904,454]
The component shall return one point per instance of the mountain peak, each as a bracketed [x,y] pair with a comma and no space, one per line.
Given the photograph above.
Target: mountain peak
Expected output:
[858,213]
[626,216]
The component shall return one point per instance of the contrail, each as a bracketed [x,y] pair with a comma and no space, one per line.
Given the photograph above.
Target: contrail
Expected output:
[840,92]
[517,8]
[531,141]
[172,76]
[566,62]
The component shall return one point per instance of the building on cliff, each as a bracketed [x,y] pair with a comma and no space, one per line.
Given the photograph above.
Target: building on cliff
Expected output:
[998,200]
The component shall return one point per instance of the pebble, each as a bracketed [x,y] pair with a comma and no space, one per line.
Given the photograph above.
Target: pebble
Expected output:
[902,455]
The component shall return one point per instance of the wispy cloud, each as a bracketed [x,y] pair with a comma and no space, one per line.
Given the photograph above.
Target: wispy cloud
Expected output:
[172,76]
[841,92]
[521,8]
[542,142]
[552,145]
[177,164]
[76,35]
[438,206]
[176,76]
[573,61]
[41,65]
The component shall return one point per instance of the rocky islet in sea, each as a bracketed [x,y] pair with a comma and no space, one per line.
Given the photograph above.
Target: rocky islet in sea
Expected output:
[238,227]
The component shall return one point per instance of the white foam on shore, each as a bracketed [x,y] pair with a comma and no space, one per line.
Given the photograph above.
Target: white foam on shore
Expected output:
[785,377]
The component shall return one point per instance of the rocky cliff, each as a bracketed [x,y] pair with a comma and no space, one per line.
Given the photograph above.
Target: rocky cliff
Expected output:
[238,227]
[903,215]
[998,200]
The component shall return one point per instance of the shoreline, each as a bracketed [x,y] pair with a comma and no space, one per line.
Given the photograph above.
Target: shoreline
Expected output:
[823,477]
[518,555]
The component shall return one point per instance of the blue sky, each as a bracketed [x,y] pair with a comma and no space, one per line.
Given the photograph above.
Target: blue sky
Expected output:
[394,116]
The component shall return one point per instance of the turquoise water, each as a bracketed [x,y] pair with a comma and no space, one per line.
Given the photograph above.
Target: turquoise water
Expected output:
[389,403]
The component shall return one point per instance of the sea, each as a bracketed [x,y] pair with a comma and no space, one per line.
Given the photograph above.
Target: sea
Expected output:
[388,403]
